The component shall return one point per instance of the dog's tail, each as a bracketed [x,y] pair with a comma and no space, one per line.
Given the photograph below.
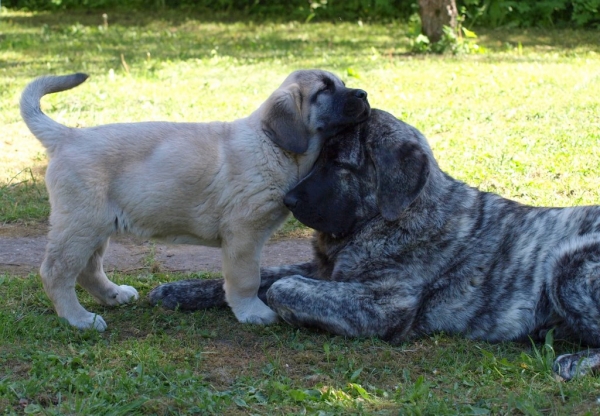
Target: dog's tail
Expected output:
[43,127]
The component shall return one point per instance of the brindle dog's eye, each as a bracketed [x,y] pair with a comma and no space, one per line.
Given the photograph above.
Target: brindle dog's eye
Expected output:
[342,165]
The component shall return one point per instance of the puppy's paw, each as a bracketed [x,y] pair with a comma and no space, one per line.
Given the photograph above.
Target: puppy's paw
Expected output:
[88,321]
[254,311]
[119,295]
[127,294]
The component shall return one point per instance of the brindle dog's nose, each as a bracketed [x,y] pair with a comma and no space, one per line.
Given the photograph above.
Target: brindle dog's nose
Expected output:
[362,94]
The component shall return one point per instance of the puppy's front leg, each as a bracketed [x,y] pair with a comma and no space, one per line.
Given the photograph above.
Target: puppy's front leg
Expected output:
[241,271]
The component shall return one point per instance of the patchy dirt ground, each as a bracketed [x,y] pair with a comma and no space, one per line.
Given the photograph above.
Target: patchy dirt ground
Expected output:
[22,249]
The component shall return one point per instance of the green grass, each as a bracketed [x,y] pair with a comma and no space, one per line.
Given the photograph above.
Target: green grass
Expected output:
[522,120]
[23,197]
[153,361]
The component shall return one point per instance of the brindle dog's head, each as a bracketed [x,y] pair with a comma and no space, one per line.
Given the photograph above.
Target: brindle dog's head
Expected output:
[311,104]
[379,167]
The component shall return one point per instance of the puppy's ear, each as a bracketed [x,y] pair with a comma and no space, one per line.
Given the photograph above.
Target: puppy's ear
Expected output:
[402,172]
[282,120]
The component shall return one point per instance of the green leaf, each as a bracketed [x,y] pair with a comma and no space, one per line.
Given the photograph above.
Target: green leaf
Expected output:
[468,33]
[355,375]
[240,402]
[360,390]
[298,395]
[353,73]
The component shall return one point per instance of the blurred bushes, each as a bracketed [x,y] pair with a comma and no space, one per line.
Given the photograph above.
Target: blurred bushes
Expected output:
[483,13]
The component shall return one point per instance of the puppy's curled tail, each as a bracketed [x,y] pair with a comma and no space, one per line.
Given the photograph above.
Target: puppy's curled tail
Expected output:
[43,127]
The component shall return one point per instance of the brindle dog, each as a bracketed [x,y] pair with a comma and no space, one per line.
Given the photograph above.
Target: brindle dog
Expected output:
[402,250]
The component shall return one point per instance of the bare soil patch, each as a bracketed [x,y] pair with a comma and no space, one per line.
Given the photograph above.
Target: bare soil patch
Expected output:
[22,249]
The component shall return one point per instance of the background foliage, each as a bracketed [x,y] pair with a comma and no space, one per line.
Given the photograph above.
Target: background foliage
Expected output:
[495,13]
[489,13]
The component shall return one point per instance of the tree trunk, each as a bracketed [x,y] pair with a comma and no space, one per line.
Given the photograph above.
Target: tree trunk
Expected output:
[435,14]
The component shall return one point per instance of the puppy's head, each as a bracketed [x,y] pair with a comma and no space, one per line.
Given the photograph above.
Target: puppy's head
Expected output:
[376,168]
[311,104]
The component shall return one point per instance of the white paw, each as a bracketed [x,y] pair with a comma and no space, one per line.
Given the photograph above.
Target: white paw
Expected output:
[89,321]
[253,311]
[127,294]
[120,295]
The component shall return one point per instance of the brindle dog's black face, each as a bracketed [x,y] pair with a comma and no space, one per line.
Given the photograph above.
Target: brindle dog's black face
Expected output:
[338,192]
[374,168]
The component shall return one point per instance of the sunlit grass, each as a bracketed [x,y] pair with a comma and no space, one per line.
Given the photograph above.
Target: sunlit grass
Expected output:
[521,119]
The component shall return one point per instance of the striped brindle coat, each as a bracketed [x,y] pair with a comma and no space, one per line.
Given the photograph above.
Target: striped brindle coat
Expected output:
[402,250]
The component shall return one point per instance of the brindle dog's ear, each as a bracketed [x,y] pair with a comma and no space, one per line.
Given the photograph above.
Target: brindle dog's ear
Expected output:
[402,172]
[282,120]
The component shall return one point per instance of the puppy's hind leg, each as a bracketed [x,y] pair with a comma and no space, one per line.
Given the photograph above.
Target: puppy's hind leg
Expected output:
[94,280]
[574,291]
[67,254]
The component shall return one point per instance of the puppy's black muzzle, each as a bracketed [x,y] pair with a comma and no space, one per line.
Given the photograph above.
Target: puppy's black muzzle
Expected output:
[357,105]
[362,94]
[290,200]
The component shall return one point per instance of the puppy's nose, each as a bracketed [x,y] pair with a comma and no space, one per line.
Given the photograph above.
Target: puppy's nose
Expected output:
[362,94]
[290,200]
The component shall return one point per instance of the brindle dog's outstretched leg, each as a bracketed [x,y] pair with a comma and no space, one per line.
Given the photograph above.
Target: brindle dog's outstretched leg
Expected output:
[197,294]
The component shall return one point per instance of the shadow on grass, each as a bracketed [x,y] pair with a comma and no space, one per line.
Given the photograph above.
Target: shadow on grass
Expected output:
[175,20]
[77,38]
[563,40]
[81,38]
